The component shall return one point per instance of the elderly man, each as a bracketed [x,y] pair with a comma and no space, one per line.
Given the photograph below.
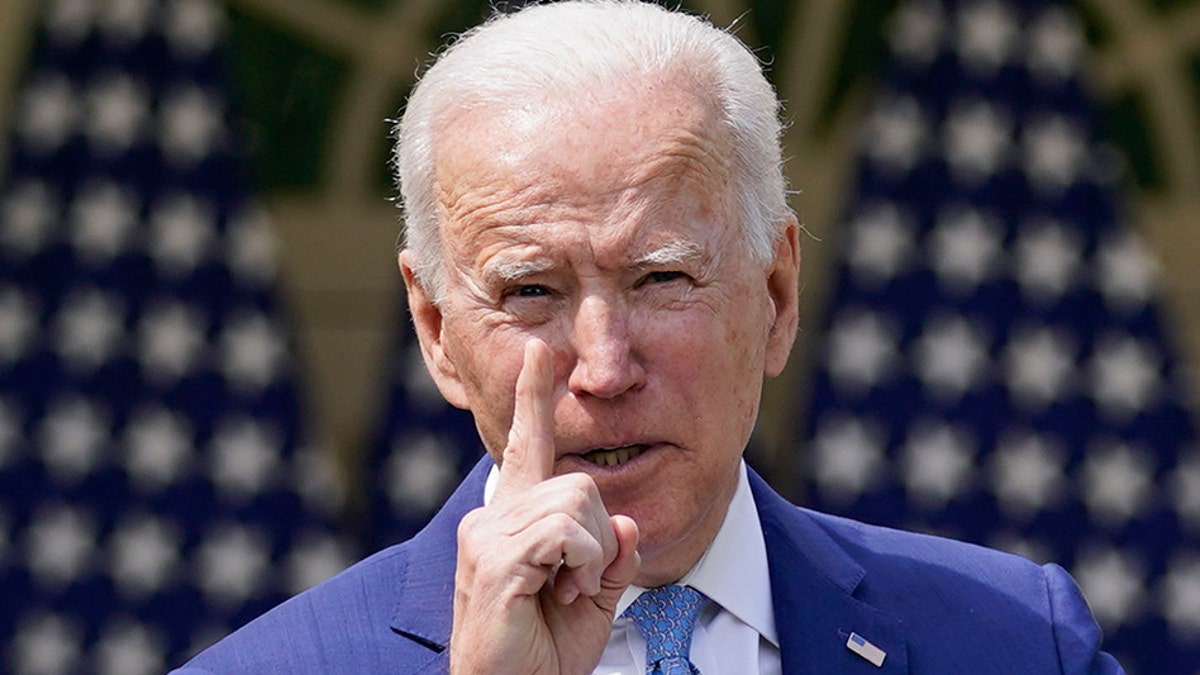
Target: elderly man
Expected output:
[602,268]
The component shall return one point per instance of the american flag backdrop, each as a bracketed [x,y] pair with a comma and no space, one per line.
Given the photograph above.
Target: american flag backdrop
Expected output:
[423,448]
[994,365]
[156,485]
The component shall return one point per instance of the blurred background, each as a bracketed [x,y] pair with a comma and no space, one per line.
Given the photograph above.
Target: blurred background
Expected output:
[209,398]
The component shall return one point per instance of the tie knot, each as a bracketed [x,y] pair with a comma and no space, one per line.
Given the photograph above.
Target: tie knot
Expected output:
[666,616]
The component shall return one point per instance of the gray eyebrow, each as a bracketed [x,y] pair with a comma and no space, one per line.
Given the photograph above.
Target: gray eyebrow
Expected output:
[514,270]
[672,253]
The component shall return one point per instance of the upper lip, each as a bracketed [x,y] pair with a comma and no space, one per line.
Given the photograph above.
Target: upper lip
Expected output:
[611,445]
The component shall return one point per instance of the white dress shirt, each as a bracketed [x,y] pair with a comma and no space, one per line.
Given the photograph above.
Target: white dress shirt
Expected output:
[735,632]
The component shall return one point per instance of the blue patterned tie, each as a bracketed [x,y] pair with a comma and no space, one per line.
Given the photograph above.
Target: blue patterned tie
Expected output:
[665,616]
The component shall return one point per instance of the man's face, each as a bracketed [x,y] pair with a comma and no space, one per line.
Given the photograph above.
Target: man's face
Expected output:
[609,232]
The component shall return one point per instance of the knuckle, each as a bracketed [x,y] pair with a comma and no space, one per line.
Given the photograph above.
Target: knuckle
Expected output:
[469,523]
[562,525]
[472,531]
[580,491]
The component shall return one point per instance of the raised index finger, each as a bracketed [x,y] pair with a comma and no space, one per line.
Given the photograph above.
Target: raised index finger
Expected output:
[529,455]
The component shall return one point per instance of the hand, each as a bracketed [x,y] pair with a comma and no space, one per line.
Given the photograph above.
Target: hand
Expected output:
[541,567]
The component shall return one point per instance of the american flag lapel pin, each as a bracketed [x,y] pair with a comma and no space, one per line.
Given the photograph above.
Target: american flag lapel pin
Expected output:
[859,645]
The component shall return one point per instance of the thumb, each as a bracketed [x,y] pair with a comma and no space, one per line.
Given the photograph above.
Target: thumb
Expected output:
[622,570]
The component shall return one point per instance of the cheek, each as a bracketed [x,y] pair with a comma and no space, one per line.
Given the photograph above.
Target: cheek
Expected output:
[488,363]
[715,363]
[726,345]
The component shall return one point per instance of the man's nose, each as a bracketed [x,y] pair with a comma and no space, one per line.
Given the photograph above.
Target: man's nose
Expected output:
[605,363]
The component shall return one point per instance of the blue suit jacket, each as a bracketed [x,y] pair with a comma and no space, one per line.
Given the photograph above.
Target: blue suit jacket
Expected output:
[935,606]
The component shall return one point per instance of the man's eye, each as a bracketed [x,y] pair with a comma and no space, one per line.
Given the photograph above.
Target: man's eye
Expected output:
[530,291]
[663,277]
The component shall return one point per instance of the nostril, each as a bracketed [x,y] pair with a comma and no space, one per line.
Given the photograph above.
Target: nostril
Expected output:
[606,377]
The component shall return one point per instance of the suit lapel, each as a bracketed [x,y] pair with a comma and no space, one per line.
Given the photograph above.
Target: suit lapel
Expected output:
[424,612]
[813,582]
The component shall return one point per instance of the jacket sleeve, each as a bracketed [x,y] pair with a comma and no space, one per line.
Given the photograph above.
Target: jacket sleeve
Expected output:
[1076,632]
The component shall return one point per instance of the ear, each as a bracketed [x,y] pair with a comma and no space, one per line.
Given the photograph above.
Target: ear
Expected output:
[783,287]
[427,319]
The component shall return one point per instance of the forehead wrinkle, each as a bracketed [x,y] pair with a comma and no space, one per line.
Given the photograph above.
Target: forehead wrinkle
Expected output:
[695,149]
[488,201]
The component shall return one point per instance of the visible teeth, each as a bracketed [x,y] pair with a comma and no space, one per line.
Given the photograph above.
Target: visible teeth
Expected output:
[614,457]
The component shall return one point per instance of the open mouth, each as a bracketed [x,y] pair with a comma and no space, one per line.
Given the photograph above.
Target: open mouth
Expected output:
[614,456]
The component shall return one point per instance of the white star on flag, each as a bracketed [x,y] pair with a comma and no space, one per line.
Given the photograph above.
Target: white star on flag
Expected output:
[27,218]
[170,339]
[1126,274]
[987,34]
[897,134]
[1180,595]
[232,562]
[192,26]
[1124,374]
[1028,472]
[916,31]
[964,248]
[421,473]
[73,437]
[69,21]
[1039,363]
[182,230]
[937,462]
[864,351]
[244,458]
[103,215]
[252,248]
[46,644]
[1117,483]
[1055,45]
[48,114]
[977,140]
[191,125]
[314,559]
[848,457]
[158,448]
[1055,152]
[124,22]
[1113,583]
[252,350]
[1048,259]
[89,328]
[117,108]
[951,356]
[129,648]
[883,244]
[60,545]
[144,554]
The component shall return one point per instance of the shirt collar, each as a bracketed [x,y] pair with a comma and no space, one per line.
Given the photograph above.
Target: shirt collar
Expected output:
[732,572]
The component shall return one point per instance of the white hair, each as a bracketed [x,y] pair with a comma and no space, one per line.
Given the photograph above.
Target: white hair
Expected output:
[552,50]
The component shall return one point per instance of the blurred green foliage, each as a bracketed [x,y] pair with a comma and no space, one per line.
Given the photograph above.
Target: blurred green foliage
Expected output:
[287,91]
